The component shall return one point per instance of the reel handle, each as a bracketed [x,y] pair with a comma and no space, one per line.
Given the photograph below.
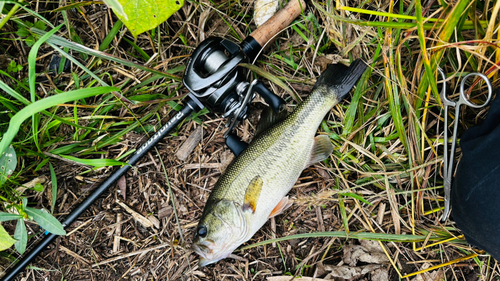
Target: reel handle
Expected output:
[278,22]
[276,103]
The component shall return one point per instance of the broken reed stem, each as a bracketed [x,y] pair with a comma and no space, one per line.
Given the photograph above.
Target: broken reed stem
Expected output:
[132,254]
[441,265]
[439,242]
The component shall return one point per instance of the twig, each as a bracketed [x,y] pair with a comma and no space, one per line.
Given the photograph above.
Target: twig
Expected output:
[73,254]
[132,254]
[138,217]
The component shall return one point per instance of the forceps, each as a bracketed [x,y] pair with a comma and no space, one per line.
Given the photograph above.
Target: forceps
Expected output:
[448,159]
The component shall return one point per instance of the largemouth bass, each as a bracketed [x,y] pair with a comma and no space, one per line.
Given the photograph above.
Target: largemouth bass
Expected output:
[255,184]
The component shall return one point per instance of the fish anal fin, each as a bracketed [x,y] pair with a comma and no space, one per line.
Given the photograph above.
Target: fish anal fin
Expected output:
[322,148]
[252,194]
[284,204]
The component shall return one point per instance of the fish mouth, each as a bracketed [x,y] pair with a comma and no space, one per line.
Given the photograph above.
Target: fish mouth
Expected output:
[203,249]
[204,262]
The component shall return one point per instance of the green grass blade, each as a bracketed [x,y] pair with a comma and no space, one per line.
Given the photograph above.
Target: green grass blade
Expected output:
[343,214]
[28,111]
[57,40]
[144,55]
[447,32]
[13,93]
[32,60]
[35,14]
[96,163]
[20,84]
[271,78]
[356,196]
[395,25]
[53,178]
[112,33]
[400,16]
[342,234]
[429,71]
[350,115]
[32,78]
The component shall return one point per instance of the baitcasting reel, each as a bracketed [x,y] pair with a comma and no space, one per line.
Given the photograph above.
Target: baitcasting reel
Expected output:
[215,79]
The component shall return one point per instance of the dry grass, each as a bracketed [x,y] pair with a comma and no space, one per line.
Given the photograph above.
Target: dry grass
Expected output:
[388,140]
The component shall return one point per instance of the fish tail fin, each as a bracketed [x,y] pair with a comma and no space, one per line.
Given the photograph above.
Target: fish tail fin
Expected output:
[340,78]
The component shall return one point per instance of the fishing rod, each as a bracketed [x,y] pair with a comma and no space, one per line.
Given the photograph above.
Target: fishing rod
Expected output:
[214,80]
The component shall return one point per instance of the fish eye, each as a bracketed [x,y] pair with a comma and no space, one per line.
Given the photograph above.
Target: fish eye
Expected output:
[202,231]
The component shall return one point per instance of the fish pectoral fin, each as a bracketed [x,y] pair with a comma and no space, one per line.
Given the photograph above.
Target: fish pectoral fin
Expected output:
[322,148]
[252,194]
[284,204]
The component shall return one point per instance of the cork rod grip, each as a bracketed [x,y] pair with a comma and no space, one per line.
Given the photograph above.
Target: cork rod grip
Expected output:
[278,22]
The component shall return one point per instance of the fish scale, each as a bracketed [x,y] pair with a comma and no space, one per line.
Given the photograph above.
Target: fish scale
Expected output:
[269,167]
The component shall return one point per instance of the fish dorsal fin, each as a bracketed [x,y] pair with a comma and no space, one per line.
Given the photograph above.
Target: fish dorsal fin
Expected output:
[269,118]
[322,148]
[284,204]
[252,194]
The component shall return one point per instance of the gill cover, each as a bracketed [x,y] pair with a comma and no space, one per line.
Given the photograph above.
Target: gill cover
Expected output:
[221,230]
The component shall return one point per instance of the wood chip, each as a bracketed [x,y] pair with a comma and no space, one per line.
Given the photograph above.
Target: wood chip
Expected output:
[154,221]
[190,144]
[118,232]
[138,217]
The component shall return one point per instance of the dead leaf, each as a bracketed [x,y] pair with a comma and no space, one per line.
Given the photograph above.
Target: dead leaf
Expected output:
[380,274]
[290,278]
[368,252]
[348,272]
[122,184]
[190,144]
[435,275]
